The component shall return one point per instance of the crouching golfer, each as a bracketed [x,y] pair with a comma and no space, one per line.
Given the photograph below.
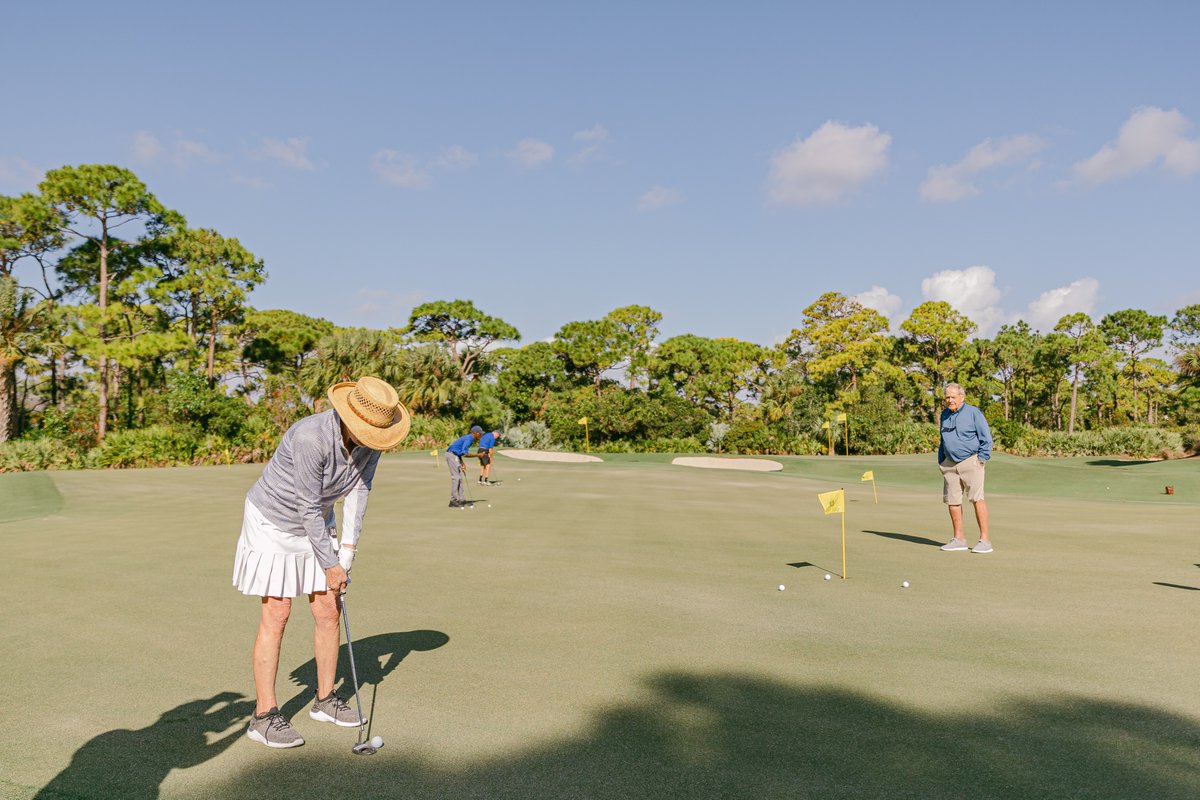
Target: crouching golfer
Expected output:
[485,450]
[459,449]
[287,545]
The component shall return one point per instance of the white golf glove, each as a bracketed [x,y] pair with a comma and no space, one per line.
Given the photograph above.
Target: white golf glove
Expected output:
[346,558]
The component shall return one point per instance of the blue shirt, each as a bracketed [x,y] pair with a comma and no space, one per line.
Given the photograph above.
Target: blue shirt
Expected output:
[488,441]
[965,433]
[461,445]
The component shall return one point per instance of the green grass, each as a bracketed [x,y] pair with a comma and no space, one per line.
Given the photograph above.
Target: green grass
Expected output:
[614,631]
[27,494]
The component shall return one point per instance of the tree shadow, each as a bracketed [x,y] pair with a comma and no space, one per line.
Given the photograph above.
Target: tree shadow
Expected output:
[374,659]
[1119,462]
[1177,586]
[906,537]
[691,736]
[132,764]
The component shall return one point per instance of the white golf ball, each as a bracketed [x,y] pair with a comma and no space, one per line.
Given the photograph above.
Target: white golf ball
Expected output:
[377,742]
[518,479]
[782,587]
[828,576]
[489,505]
[904,584]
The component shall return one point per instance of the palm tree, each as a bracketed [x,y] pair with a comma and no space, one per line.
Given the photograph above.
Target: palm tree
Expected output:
[431,380]
[18,316]
[346,355]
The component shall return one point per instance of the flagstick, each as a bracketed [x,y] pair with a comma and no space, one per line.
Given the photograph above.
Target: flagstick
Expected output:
[843,535]
[874,492]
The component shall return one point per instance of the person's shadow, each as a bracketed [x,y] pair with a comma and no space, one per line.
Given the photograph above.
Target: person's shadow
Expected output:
[374,658]
[132,764]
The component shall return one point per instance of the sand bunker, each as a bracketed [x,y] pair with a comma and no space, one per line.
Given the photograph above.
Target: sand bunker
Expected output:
[547,455]
[751,464]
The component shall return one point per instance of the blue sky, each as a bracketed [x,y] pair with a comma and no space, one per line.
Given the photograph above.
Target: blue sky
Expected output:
[724,163]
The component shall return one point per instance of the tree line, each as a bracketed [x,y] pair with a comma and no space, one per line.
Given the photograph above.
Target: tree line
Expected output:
[126,337]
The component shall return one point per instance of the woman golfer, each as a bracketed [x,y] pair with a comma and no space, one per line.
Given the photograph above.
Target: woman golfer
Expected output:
[287,546]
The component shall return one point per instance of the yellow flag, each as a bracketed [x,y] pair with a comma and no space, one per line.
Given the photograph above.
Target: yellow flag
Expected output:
[433,453]
[824,426]
[840,418]
[582,421]
[833,502]
[869,475]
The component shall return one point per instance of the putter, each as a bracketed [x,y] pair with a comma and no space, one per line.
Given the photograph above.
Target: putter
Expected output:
[467,488]
[362,748]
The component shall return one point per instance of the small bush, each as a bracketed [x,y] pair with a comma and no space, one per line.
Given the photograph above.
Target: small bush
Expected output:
[28,455]
[156,446]
[530,436]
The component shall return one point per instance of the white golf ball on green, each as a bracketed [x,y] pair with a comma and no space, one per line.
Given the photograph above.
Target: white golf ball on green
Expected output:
[377,742]
[904,584]
[828,576]
[782,587]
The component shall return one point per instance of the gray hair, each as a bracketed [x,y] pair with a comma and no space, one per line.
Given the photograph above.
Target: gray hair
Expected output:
[956,389]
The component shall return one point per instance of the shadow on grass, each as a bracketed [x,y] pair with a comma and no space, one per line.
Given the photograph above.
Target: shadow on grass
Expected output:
[132,764]
[1177,586]
[374,657]
[803,564]
[1120,462]
[906,537]
[697,736]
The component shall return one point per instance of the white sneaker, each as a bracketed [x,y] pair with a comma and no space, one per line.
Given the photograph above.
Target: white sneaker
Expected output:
[982,547]
[956,544]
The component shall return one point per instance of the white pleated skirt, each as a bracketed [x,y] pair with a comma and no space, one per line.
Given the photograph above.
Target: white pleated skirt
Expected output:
[274,563]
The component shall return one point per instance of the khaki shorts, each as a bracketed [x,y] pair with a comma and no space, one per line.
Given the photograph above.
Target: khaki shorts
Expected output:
[962,475]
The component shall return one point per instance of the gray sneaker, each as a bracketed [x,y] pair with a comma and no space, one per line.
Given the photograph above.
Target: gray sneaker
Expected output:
[956,544]
[273,729]
[982,547]
[334,709]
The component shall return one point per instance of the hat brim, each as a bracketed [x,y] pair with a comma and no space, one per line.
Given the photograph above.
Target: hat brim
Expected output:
[365,433]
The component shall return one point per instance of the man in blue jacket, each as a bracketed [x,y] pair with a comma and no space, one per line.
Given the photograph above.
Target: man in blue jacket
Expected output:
[966,446]
[455,453]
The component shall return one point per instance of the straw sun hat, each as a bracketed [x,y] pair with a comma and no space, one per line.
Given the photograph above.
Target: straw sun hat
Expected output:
[372,411]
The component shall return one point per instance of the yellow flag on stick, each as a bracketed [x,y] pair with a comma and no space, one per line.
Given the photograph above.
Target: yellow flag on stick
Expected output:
[840,418]
[824,426]
[586,443]
[833,502]
[869,475]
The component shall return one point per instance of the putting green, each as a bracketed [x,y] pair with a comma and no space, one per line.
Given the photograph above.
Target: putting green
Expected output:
[24,495]
[615,631]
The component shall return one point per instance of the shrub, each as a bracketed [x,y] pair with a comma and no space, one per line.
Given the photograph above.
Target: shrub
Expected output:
[155,446]
[530,436]
[27,455]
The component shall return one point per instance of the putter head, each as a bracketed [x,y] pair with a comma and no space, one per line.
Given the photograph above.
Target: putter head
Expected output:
[363,749]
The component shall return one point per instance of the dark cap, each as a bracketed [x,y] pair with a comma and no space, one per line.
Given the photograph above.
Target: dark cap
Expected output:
[475,429]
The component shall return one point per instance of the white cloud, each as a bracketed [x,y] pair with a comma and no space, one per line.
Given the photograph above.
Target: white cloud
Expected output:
[530,153]
[19,175]
[659,197]
[454,157]
[883,301]
[828,165]
[292,152]
[591,141]
[149,149]
[250,181]
[1051,306]
[1149,135]
[385,307]
[400,169]
[948,183]
[972,292]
